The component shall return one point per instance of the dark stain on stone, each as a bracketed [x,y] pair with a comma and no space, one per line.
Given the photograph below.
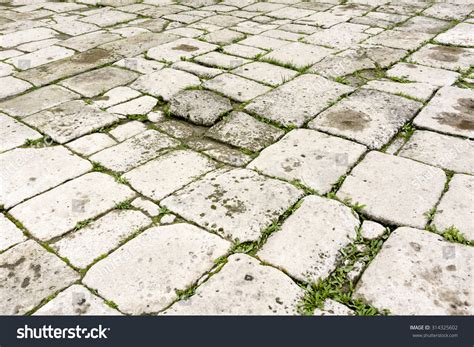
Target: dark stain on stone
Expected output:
[36,269]
[248,278]
[26,282]
[349,120]
[91,56]
[185,48]
[415,246]
[445,53]
[14,265]
[463,120]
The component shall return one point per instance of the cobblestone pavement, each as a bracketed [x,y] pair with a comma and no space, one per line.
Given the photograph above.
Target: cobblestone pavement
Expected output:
[236,157]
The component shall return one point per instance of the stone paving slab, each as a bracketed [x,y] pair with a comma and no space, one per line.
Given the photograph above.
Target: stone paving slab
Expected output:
[14,133]
[11,235]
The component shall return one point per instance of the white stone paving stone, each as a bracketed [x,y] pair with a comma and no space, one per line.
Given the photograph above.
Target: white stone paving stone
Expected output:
[450,112]
[243,51]
[108,18]
[134,151]
[6,69]
[315,159]
[196,69]
[264,42]
[10,234]
[308,244]
[220,60]
[325,19]
[418,90]
[400,39]
[394,190]
[369,117]
[333,308]
[138,106]
[419,273]
[91,144]
[143,275]
[222,37]
[238,204]
[424,74]
[341,36]
[29,274]
[14,133]
[26,172]
[74,28]
[298,54]
[183,48]
[116,96]
[82,247]
[449,10]
[460,35]
[58,210]
[371,230]
[34,34]
[146,206]
[236,87]
[265,73]
[262,290]
[140,64]
[444,57]
[297,101]
[127,130]
[447,152]
[12,86]
[456,207]
[40,57]
[162,176]
[76,300]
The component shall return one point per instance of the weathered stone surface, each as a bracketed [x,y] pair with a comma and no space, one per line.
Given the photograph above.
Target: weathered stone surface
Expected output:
[12,86]
[26,172]
[235,87]
[421,91]
[76,300]
[400,39]
[460,35]
[10,234]
[134,151]
[308,244]
[16,38]
[298,54]
[456,207]
[146,206]
[179,49]
[315,159]
[241,130]
[199,106]
[297,101]
[40,57]
[196,69]
[127,130]
[333,308]
[446,152]
[265,73]
[237,204]
[89,41]
[394,190]
[59,210]
[449,11]
[419,273]
[450,112]
[262,290]
[371,230]
[82,247]
[168,173]
[116,96]
[138,106]
[369,117]
[341,36]
[221,60]
[243,51]
[175,257]
[444,57]
[91,144]
[14,133]
[423,74]
[29,274]
[424,24]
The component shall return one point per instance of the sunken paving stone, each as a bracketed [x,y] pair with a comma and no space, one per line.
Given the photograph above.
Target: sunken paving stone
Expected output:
[423,74]
[82,247]
[14,133]
[369,117]
[447,152]
[10,235]
[241,130]
[236,87]
[444,57]
[162,176]
[450,112]
[26,172]
[76,300]
[297,101]
[29,273]
[419,273]
[238,204]
[262,290]
[180,49]
[143,275]
[456,208]
[265,73]
[315,159]
[201,107]
[394,190]
[309,243]
[460,35]
[134,151]
[59,210]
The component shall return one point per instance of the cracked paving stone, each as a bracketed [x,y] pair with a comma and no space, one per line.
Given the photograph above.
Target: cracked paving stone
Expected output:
[127,130]
[220,60]
[297,101]
[12,86]
[262,290]
[315,159]
[82,247]
[309,243]
[70,120]
[444,57]
[456,207]
[138,106]
[134,151]
[18,37]
[29,274]
[143,275]
[423,74]
[162,176]
[27,172]
[10,235]
[196,69]
[236,87]
[165,83]
[14,133]
[418,90]
[109,77]
[333,308]
[241,130]
[265,73]
[400,39]
[184,48]
[460,35]
[298,54]
[91,144]
[369,117]
[76,300]
[419,273]
[394,190]
[238,204]
[59,210]
[447,152]
[201,107]
[450,112]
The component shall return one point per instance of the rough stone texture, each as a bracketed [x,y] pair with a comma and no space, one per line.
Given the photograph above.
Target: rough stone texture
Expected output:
[179,49]
[394,190]
[154,265]
[14,133]
[220,60]
[236,87]
[419,273]
[10,234]
[400,39]
[420,91]
[308,244]
[333,308]
[29,274]
[237,204]
[456,207]
[423,74]
[371,230]
[444,57]
[127,130]
[298,54]
[265,73]
[315,159]
[91,144]
[460,35]
[262,290]
[12,86]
